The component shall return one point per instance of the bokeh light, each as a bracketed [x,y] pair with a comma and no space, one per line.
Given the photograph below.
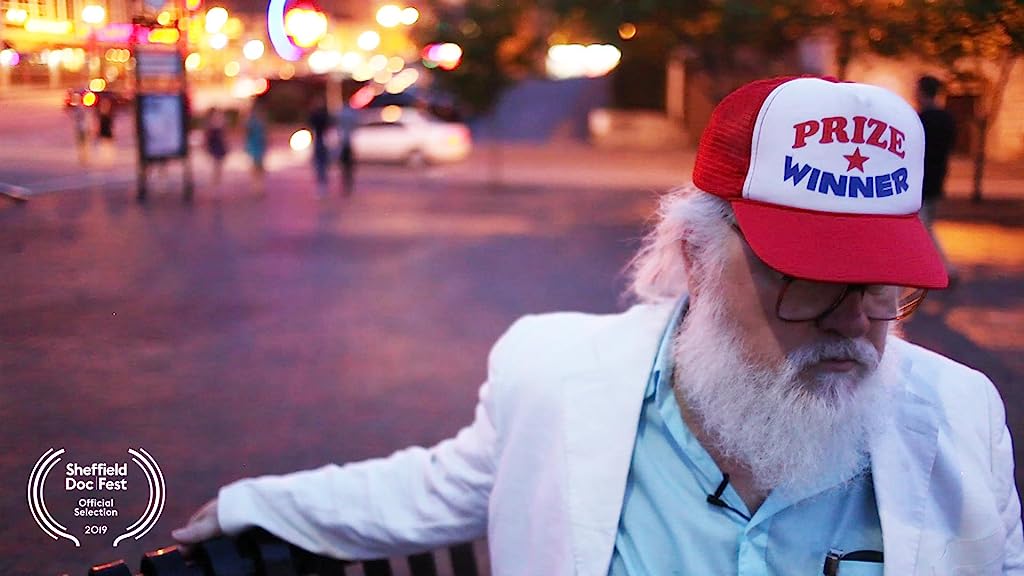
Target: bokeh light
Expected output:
[305,26]
[218,41]
[391,113]
[216,18]
[323,61]
[16,16]
[576,60]
[163,36]
[447,56]
[193,61]
[253,49]
[9,58]
[410,15]
[300,140]
[378,62]
[94,14]
[389,16]
[368,40]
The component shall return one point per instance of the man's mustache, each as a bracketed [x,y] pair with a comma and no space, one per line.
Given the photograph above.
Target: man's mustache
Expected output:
[860,351]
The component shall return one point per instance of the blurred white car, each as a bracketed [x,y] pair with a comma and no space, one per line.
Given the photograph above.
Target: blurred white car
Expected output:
[398,134]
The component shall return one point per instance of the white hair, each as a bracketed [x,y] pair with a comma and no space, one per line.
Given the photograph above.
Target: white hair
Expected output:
[657,273]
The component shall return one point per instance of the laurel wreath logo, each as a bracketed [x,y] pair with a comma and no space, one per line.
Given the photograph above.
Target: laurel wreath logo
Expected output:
[56,530]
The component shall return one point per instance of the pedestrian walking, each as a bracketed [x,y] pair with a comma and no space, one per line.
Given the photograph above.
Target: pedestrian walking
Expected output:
[105,126]
[80,124]
[347,122]
[216,141]
[319,122]
[939,136]
[256,140]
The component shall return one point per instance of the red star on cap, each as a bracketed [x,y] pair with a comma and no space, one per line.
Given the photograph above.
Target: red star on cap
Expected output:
[856,160]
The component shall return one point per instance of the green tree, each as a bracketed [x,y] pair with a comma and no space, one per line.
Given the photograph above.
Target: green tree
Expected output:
[730,41]
[501,41]
[976,42]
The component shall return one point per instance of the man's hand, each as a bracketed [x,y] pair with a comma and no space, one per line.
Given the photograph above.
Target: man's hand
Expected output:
[202,526]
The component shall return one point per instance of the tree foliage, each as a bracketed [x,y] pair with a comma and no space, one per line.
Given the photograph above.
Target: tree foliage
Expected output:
[729,40]
[976,42]
[499,44]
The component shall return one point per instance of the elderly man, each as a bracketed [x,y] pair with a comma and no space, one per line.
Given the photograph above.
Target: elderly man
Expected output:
[755,414]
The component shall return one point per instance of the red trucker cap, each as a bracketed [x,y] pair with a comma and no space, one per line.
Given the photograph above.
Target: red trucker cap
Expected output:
[825,180]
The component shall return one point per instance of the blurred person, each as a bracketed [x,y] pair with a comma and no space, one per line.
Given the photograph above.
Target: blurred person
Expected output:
[319,122]
[256,140]
[80,124]
[939,136]
[757,410]
[347,122]
[215,137]
[105,125]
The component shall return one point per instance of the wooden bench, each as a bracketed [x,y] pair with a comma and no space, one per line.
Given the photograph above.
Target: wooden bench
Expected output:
[258,553]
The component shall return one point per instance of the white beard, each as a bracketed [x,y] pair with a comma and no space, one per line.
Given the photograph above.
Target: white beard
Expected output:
[791,430]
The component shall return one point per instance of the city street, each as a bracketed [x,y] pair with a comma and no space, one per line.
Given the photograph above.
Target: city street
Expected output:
[254,333]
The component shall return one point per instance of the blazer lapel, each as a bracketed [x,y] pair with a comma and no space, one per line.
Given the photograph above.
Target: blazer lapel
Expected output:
[901,465]
[602,408]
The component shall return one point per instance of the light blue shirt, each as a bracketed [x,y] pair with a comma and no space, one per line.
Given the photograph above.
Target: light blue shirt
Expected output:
[667,527]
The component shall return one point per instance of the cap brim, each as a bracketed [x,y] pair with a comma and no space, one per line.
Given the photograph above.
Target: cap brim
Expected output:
[846,248]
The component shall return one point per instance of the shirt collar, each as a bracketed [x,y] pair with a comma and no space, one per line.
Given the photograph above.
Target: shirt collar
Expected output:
[661,373]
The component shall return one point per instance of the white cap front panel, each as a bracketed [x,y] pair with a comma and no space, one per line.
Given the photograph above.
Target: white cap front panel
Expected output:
[836,147]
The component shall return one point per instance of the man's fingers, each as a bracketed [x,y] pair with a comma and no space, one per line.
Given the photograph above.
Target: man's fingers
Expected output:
[202,526]
[204,511]
[195,532]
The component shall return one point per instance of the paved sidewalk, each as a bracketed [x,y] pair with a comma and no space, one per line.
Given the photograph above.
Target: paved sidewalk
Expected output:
[579,164]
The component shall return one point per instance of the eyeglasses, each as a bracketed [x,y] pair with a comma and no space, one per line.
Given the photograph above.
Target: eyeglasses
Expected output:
[805,300]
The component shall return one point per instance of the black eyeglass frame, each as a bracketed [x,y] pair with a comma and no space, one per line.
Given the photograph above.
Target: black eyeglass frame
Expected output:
[903,311]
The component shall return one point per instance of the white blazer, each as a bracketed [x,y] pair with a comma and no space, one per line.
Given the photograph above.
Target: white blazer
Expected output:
[542,469]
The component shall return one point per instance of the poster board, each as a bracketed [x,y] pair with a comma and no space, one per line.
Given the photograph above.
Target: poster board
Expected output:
[161,110]
[163,126]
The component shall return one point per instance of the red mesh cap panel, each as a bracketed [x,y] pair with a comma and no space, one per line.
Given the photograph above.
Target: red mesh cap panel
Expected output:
[723,156]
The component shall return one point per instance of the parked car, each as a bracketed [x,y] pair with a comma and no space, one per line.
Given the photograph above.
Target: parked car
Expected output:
[401,134]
